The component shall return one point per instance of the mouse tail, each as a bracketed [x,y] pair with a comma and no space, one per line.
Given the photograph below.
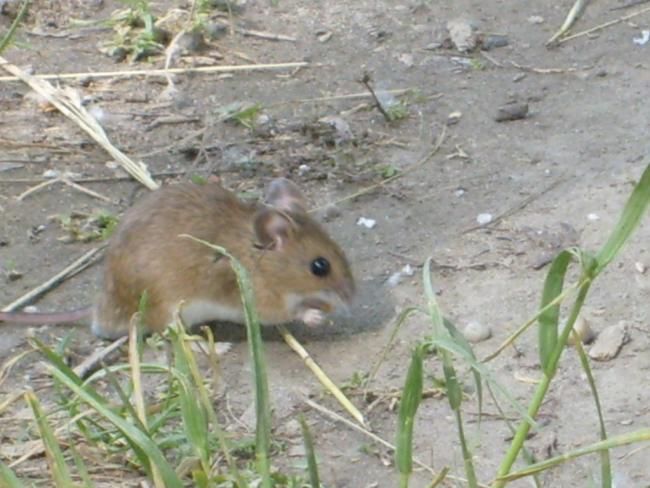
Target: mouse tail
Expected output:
[39,318]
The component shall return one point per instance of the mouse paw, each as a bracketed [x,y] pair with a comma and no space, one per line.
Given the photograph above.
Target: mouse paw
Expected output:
[313,317]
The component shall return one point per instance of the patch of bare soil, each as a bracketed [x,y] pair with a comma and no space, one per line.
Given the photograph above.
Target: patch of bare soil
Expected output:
[559,176]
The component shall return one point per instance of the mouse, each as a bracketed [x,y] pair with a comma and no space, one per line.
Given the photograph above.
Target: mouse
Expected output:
[297,271]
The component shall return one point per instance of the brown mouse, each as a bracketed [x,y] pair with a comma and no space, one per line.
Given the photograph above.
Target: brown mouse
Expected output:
[297,271]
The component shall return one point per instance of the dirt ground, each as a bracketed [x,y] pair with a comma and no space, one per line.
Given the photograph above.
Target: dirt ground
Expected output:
[560,176]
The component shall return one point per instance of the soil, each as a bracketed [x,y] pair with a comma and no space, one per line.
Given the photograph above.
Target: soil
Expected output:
[559,177]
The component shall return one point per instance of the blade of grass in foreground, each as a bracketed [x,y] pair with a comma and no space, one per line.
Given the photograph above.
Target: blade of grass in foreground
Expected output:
[7,477]
[58,468]
[133,434]
[262,404]
[411,396]
[312,466]
[634,210]
[612,442]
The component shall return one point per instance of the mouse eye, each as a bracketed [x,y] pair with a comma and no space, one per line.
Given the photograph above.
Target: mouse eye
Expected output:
[320,267]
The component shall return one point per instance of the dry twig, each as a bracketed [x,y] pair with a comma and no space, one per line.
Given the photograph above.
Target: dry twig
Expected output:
[603,26]
[79,265]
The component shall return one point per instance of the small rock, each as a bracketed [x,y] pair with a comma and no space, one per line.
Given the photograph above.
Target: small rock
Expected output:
[50,174]
[303,169]
[454,117]
[476,332]
[609,342]
[323,36]
[216,30]
[462,36]
[10,166]
[494,41]
[343,132]
[192,41]
[511,111]
[640,267]
[332,212]
[536,19]
[593,217]
[581,331]
[484,218]
[367,223]
[643,40]
[459,192]
[14,275]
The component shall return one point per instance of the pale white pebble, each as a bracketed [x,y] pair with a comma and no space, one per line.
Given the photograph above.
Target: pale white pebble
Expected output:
[476,332]
[643,40]
[30,309]
[581,331]
[303,169]
[50,174]
[640,267]
[459,192]
[408,270]
[536,19]
[484,218]
[593,217]
[98,112]
[367,223]
[112,164]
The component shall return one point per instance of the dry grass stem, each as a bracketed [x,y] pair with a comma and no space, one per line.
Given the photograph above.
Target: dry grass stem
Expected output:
[68,103]
[320,375]
[97,357]
[381,184]
[602,26]
[160,72]
[574,13]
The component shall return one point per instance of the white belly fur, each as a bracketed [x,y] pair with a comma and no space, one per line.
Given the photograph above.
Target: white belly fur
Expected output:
[201,311]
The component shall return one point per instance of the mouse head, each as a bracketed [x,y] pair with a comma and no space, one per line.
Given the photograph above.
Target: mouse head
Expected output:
[304,270]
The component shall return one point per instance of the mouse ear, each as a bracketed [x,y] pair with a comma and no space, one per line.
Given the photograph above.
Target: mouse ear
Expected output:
[284,194]
[273,228]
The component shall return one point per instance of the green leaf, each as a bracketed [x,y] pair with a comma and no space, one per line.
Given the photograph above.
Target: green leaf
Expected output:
[632,213]
[411,397]
[312,466]
[548,320]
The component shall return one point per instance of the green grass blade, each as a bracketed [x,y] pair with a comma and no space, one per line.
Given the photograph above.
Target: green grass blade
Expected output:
[633,211]
[81,466]
[605,462]
[255,346]
[411,396]
[58,468]
[548,320]
[7,477]
[612,442]
[6,39]
[312,465]
[135,435]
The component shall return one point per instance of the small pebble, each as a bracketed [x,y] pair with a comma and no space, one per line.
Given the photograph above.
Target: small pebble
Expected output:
[303,169]
[476,332]
[511,111]
[323,36]
[494,41]
[518,77]
[332,212]
[581,331]
[14,275]
[536,19]
[609,342]
[454,117]
[462,36]
[640,267]
[593,217]
[484,218]
[367,223]
[459,192]
[50,174]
